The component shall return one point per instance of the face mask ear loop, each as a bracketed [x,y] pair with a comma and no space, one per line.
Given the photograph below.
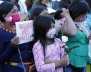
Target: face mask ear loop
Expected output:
[8,18]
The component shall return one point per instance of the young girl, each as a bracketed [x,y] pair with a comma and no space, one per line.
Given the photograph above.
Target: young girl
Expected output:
[49,56]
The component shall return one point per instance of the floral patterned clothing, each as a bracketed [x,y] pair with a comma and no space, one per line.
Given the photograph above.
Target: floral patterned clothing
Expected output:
[51,52]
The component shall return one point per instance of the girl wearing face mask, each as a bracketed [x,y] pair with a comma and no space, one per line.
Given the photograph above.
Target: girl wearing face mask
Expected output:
[49,56]
[79,56]
[10,60]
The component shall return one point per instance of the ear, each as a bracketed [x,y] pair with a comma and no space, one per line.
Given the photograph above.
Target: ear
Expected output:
[4,15]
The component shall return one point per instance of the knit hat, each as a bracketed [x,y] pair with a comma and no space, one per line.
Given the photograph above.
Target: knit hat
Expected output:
[6,7]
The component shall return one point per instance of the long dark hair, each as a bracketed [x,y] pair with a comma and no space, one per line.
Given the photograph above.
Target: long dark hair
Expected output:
[41,26]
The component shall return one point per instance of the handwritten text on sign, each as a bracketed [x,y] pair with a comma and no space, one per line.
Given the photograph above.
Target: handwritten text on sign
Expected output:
[24,30]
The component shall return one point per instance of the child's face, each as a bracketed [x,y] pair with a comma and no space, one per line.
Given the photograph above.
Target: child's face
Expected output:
[51,32]
[81,18]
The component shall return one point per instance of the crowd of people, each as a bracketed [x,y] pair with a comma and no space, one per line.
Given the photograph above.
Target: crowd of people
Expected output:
[62,36]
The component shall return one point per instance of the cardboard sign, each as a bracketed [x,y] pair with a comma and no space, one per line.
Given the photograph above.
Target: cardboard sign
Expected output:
[24,30]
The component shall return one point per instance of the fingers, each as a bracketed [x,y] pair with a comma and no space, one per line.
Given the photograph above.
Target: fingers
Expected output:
[24,17]
[15,41]
[65,11]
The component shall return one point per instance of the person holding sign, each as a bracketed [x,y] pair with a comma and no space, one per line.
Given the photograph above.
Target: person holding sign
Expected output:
[13,58]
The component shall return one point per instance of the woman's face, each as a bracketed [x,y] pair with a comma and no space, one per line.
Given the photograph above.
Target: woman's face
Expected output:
[8,17]
[14,10]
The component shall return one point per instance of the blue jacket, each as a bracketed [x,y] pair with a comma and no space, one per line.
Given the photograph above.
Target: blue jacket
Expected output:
[9,53]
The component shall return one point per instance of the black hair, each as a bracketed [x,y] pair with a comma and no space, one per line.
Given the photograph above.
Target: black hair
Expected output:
[57,15]
[89,3]
[39,3]
[78,8]
[35,12]
[5,8]
[41,26]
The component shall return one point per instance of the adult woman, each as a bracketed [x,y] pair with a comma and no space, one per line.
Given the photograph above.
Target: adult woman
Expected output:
[10,60]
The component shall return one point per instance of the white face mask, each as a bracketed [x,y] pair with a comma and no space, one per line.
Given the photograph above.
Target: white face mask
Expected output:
[51,33]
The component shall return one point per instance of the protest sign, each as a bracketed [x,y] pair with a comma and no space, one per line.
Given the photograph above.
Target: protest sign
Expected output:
[24,30]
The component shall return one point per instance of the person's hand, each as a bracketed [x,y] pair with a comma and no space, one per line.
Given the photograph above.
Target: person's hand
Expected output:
[47,61]
[65,12]
[24,17]
[14,41]
[64,60]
